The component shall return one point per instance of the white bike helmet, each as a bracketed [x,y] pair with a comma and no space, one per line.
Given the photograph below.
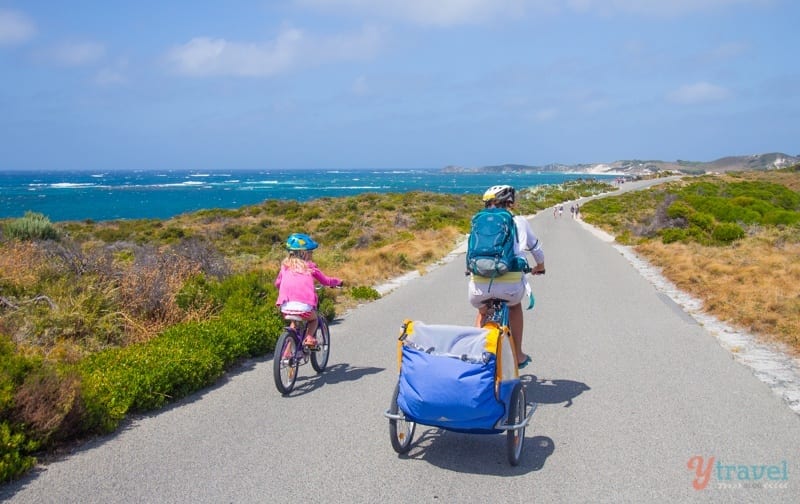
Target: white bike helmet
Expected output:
[499,195]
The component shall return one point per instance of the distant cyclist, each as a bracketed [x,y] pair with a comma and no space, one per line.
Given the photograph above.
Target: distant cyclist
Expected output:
[297,293]
[510,286]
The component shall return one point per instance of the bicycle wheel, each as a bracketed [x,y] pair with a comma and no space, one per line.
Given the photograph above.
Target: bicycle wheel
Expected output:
[284,362]
[401,432]
[319,357]
[516,415]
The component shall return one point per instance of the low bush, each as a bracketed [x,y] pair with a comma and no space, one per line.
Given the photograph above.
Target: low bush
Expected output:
[15,452]
[671,235]
[702,220]
[727,232]
[361,293]
[31,226]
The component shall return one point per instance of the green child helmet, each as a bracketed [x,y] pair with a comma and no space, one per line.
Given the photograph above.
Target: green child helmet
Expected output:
[300,241]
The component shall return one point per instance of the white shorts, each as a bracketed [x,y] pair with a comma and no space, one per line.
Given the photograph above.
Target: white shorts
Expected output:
[511,292]
[303,310]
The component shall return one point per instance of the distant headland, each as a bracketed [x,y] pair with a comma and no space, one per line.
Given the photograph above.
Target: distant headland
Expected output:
[637,167]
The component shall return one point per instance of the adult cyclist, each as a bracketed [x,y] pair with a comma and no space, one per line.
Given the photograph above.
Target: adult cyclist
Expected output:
[510,286]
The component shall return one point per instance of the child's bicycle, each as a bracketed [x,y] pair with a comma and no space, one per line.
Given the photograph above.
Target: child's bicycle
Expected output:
[291,352]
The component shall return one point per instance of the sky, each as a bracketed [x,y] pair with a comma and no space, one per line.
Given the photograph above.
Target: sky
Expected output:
[388,84]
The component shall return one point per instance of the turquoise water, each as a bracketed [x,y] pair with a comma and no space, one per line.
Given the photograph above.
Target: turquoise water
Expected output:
[64,196]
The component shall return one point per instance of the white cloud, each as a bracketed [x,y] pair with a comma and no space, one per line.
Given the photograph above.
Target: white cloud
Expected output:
[545,115]
[360,86]
[701,92]
[15,27]
[668,8]
[292,48]
[459,12]
[429,12]
[74,54]
[112,75]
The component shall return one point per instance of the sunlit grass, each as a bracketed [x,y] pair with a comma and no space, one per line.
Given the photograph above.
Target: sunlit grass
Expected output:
[751,285]
[752,282]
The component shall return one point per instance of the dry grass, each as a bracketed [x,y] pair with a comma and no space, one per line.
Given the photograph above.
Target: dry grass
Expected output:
[373,266]
[754,284]
[786,178]
[20,264]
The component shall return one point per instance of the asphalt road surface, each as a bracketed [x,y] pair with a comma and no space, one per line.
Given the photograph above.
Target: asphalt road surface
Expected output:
[638,403]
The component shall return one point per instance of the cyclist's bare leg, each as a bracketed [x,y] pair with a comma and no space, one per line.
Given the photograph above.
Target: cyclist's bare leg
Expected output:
[311,329]
[516,323]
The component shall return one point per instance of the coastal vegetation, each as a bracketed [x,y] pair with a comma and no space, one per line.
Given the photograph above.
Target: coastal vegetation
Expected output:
[102,319]
[99,320]
[732,241]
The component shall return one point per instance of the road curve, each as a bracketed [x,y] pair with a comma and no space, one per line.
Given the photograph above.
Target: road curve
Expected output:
[637,401]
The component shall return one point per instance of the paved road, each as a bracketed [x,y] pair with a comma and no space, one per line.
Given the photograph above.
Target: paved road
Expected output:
[631,390]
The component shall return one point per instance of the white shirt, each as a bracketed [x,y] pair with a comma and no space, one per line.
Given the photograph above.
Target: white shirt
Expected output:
[527,240]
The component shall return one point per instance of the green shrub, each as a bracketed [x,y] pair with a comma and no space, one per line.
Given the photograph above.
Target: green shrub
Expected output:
[727,232]
[671,235]
[702,220]
[362,293]
[195,294]
[781,217]
[15,450]
[16,447]
[679,210]
[32,226]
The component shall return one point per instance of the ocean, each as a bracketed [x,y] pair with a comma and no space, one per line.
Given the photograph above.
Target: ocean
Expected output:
[99,196]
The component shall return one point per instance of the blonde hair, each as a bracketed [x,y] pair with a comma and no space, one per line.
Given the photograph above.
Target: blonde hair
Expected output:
[297,261]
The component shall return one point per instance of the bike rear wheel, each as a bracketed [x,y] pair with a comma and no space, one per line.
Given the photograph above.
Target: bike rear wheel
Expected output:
[515,438]
[285,362]
[401,432]
[319,357]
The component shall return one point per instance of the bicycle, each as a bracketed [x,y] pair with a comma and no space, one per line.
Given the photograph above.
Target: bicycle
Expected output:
[291,352]
[496,312]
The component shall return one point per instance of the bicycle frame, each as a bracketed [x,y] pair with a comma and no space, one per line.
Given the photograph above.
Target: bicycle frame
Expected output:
[285,364]
[297,327]
[497,312]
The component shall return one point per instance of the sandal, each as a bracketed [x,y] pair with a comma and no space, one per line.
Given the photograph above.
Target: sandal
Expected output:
[310,342]
[525,362]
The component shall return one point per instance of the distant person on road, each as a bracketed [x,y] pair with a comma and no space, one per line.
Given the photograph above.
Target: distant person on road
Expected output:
[577,211]
[511,286]
[297,293]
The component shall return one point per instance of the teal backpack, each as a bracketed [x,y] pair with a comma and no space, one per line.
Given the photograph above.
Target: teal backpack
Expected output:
[490,246]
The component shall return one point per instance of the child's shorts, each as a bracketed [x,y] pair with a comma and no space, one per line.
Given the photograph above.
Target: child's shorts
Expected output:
[299,309]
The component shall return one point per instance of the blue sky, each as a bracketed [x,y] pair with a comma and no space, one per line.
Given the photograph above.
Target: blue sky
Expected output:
[339,84]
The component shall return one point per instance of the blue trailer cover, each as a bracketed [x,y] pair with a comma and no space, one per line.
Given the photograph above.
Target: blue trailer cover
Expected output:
[449,392]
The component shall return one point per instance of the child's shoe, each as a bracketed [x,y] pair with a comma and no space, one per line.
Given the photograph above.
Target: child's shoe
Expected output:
[310,342]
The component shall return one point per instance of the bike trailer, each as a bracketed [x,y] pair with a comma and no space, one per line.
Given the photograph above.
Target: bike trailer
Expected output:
[459,378]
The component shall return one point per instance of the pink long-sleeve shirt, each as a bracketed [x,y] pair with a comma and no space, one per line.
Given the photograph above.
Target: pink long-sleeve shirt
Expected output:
[295,286]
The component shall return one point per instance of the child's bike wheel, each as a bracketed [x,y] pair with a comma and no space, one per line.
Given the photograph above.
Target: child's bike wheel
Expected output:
[319,357]
[401,432]
[515,438]
[284,363]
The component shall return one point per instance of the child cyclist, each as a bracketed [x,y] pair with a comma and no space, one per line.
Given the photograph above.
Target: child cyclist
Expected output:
[297,294]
